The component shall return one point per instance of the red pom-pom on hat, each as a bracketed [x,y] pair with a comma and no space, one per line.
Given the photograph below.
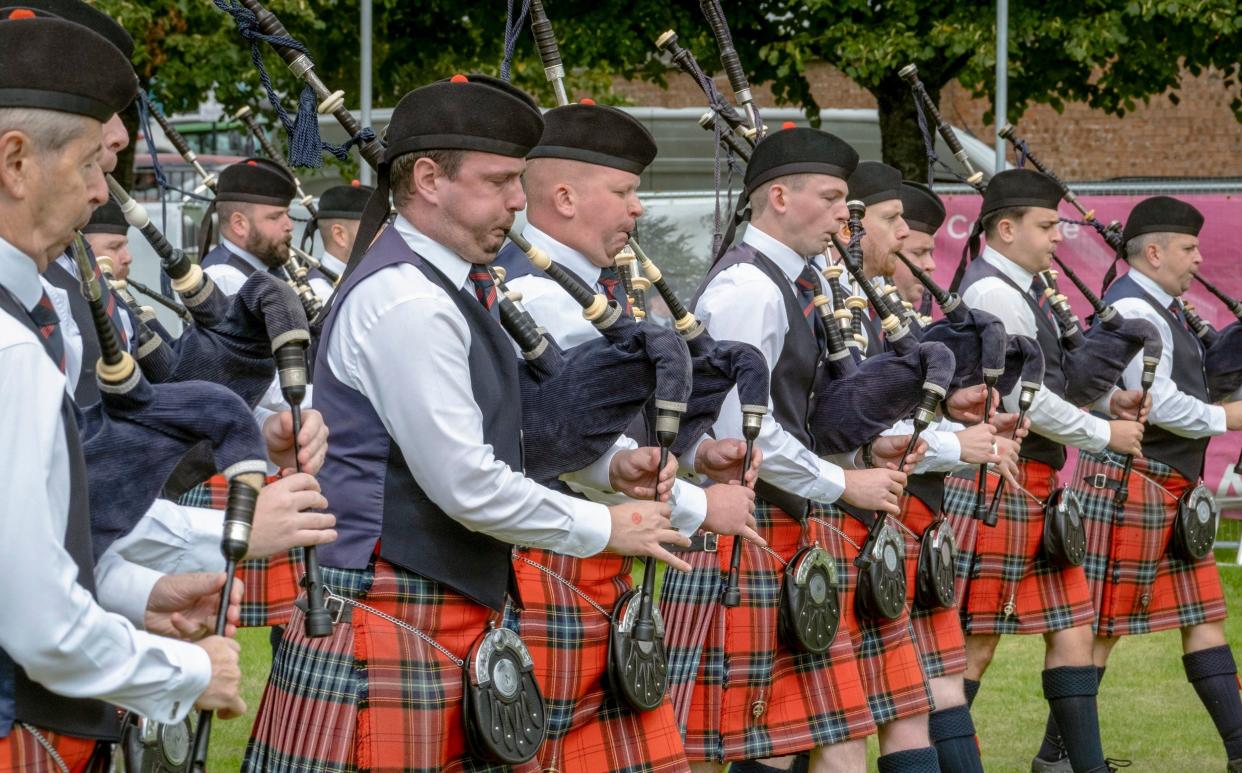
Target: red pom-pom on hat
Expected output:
[789,125]
[459,78]
[586,101]
[21,13]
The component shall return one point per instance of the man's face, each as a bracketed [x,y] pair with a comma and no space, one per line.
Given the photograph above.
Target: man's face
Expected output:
[66,187]
[114,246]
[608,211]
[815,211]
[886,231]
[479,205]
[269,234]
[1033,238]
[918,248]
[1179,260]
[115,138]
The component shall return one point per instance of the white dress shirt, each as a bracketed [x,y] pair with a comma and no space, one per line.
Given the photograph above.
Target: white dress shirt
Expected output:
[427,406]
[944,450]
[228,278]
[1171,408]
[71,265]
[322,287]
[1051,415]
[742,304]
[561,316]
[53,628]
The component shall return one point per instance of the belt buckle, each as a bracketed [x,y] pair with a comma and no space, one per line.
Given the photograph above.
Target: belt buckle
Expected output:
[336,607]
[1098,480]
[710,541]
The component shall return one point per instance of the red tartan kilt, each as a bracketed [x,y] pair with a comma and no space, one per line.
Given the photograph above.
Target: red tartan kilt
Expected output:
[589,728]
[937,632]
[1008,566]
[1138,584]
[738,691]
[21,753]
[373,696]
[884,649]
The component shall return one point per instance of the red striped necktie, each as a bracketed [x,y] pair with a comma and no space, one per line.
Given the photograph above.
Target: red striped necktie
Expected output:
[44,315]
[484,287]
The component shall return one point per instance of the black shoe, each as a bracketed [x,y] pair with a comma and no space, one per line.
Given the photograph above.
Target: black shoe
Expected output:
[1235,766]
[1041,765]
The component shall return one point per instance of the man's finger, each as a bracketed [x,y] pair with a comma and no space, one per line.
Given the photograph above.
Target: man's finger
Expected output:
[753,536]
[673,561]
[315,536]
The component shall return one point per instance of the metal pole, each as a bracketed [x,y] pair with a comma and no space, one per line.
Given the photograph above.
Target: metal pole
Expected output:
[364,67]
[1002,78]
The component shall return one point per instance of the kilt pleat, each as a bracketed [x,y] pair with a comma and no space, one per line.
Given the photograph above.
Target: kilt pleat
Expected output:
[937,632]
[887,657]
[20,752]
[739,692]
[270,587]
[1137,582]
[589,728]
[1007,565]
[372,696]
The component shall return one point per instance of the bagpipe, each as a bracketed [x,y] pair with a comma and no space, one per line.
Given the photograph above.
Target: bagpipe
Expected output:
[1222,348]
[925,106]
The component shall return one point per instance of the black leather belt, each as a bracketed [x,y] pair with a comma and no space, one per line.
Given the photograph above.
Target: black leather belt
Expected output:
[703,542]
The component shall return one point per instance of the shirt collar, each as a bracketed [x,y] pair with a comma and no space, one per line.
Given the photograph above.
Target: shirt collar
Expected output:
[332,263]
[1151,288]
[565,255]
[250,258]
[1018,275]
[445,260]
[19,275]
[778,252]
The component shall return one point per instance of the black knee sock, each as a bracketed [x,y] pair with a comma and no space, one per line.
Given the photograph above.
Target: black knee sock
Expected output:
[1052,748]
[910,761]
[953,734]
[1214,675]
[972,689]
[1071,692]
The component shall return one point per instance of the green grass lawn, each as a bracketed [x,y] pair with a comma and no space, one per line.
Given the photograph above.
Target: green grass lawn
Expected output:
[1148,712]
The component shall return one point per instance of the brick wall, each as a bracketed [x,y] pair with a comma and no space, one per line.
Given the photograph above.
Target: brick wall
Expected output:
[1197,138]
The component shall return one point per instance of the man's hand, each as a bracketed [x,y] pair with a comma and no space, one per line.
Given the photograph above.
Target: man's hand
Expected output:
[731,510]
[1005,424]
[1007,450]
[283,517]
[886,452]
[633,473]
[639,528]
[1233,415]
[1125,437]
[877,489]
[223,693]
[312,440]
[966,405]
[977,442]
[185,606]
[721,460]
[1124,404]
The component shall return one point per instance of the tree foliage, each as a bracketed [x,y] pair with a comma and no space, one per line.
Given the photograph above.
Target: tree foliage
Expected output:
[1110,54]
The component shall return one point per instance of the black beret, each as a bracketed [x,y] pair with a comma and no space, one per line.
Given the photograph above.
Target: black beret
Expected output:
[256,181]
[107,219]
[799,151]
[1020,188]
[52,64]
[873,182]
[1162,214]
[344,201]
[465,113]
[596,134]
[93,19]
[921,208]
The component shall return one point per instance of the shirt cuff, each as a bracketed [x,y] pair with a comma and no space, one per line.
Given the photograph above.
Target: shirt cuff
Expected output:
[595,475]
[1216,420]
[689,507]
[1100,434]
[590,531]
[944,452]
[1103,405]
[124,587]
[831,483]
[192,667]
[686,460]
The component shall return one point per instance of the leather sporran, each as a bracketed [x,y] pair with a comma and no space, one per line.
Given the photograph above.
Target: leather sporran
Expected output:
[934,581]
[810,602]
[1194,530]
[504,713]
[637,670]
[155,747]
[882,583]
[1065,536]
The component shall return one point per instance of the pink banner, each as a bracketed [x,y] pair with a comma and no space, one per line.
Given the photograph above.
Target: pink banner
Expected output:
[1090,257]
